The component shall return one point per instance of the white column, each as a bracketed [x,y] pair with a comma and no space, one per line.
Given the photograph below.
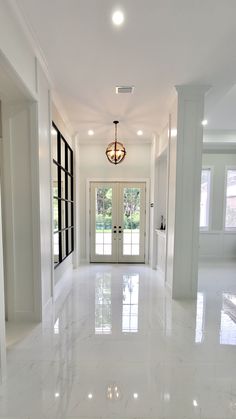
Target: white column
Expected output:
[188,178]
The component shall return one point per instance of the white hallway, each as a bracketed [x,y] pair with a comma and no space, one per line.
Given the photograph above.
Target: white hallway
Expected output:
[110,350]
[117,341]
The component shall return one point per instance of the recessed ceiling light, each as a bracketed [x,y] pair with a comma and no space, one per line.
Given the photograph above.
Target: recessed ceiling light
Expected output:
[195,403]
[57,395]
[139,132]
[204,122]
[135,395]
[118,17]
[90,132]
[90,396]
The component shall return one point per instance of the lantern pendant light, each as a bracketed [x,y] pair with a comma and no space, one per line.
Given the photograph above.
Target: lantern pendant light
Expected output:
[115,151]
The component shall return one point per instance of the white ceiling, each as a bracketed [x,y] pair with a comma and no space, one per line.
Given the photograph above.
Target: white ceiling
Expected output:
[162,43]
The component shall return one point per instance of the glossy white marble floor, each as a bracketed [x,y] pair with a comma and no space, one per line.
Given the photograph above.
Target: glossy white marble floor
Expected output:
[118,347]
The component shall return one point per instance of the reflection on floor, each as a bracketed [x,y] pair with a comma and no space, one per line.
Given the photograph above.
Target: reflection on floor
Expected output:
[119,347]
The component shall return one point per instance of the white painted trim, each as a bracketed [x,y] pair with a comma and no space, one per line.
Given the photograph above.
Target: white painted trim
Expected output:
[88,205]
[51,193]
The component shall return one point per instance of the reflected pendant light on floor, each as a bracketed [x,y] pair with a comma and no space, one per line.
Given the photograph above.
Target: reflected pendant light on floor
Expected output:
[115,151]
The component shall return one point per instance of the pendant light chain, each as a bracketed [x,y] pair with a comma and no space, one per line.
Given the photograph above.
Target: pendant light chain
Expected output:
[116,122]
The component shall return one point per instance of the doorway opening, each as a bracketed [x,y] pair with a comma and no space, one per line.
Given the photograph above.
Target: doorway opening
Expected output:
[117,222]
[19,259]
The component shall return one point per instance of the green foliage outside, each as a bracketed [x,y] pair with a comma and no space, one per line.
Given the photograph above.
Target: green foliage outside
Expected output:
[104,209]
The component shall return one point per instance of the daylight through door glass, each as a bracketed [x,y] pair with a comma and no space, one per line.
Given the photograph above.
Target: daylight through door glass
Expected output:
[131,227]
[103,239]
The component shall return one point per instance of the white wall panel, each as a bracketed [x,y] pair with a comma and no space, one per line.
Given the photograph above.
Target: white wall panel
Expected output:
[45,185]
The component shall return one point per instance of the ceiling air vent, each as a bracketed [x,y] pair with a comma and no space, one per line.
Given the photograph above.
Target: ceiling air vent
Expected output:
[124,89]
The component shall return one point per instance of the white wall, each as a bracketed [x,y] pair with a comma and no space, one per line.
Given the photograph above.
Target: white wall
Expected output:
[93,164]
[171,170]
[20,57]
[216,242]
[16,48]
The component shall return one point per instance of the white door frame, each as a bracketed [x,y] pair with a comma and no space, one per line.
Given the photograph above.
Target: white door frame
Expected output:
[88,209]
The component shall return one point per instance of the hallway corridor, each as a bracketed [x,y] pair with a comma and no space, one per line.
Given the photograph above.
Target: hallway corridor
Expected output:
[119,347]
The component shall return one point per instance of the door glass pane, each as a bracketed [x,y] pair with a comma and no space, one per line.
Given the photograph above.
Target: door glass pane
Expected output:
[54,179]
[63,184]
[63,151]
[69,195]
[205,198]
[63,244]
[70,240]
[230,214]
[54,144]
[69,158]
[130,303]
[55,214]
[63,215]
[56,247]
[103,237]
[69,205]
[131,233]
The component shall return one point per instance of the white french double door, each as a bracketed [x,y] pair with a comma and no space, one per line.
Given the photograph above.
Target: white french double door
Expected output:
[117,222]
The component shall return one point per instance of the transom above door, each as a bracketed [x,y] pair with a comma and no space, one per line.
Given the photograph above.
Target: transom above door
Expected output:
[117,222]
